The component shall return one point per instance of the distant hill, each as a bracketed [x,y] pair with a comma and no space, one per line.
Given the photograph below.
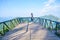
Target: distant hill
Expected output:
[51,17]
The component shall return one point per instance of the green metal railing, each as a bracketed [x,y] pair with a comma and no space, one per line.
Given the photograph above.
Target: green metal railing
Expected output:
[46,23]
[50,25]
[8,25]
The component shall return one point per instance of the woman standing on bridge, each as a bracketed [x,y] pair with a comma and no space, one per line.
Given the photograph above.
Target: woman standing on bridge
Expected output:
[31,16]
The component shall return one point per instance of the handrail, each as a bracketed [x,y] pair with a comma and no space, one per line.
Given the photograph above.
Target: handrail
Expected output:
[16,21]
[7,25]
[44,22]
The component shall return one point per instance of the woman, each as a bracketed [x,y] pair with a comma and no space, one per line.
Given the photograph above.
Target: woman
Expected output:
[31,16]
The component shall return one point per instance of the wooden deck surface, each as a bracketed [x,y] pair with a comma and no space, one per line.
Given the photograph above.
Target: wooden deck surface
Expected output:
[35,32]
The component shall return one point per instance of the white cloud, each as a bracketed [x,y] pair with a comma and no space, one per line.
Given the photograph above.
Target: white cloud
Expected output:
[49,5]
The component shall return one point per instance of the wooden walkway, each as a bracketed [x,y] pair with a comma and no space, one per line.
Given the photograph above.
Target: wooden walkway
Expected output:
[35,32]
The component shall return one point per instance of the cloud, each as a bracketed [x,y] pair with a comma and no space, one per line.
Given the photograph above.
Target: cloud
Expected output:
[50,2]
[48,6]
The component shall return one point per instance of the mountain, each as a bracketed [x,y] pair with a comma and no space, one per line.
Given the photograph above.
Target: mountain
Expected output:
[51,17]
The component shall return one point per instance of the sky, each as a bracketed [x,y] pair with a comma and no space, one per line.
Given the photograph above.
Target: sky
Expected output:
[24,8]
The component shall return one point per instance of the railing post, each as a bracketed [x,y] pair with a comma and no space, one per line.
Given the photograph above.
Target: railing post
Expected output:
[56,27]
[39,21]
[18,21]
[45,23]
[3,30]
[42,22]
[51,26]
[12,23]
[4,27]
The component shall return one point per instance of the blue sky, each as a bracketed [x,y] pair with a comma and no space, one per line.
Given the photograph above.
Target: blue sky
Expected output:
[23,8]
